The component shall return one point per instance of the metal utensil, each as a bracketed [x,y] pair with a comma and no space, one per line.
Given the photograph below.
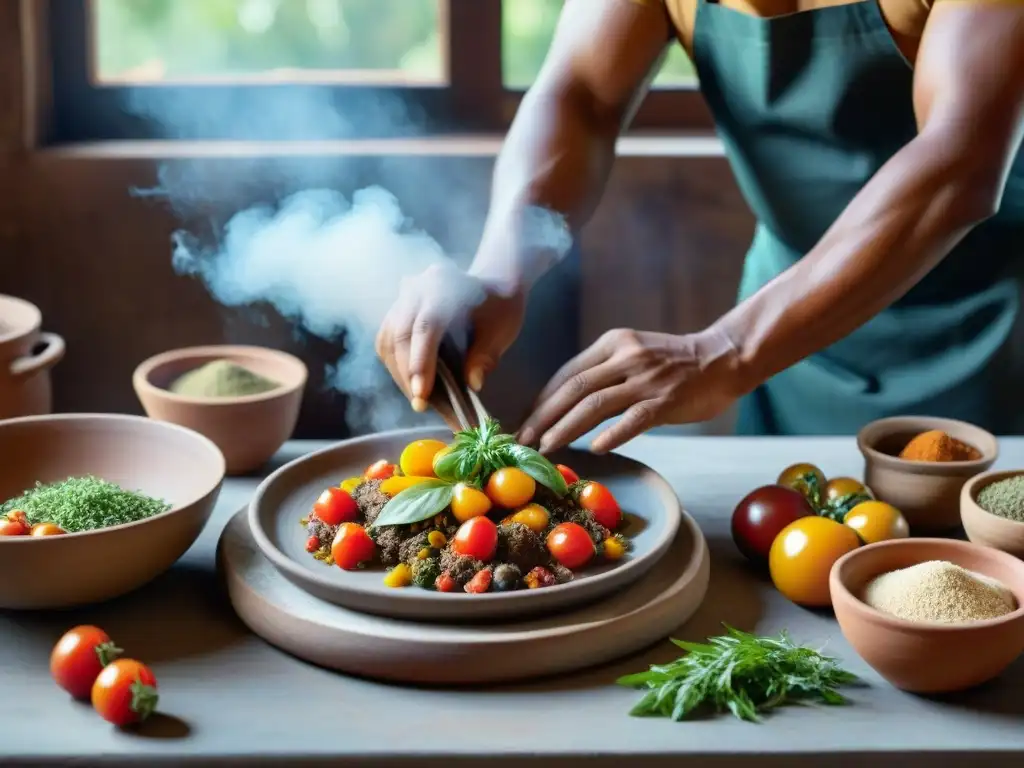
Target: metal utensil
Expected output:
[458,404]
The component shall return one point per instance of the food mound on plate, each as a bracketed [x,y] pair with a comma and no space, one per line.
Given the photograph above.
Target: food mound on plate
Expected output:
[481,514]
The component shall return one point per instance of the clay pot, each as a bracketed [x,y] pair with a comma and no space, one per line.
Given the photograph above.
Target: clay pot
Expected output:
[26,357]
[983,527]
[248,430]
[926,492]
[928,657]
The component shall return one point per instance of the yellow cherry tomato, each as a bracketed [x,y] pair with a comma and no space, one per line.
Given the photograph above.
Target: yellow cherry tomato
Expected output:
[510,487]
[803,554]
[468,502]
[840,487]
[533,516]
[395,484]
[798,477]
[877,521]
[349,486]
[418,457]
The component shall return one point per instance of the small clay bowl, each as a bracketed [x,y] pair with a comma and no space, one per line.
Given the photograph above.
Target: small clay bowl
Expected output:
[164,461]
[928,657]
[249,429]
[926,492]
[983,527]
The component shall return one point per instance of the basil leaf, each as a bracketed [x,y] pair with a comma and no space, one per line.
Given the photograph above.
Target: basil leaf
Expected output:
[446,466]
[419,502]
[536,466]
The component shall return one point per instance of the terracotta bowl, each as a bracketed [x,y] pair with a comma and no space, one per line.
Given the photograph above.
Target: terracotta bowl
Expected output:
[926,657]
[926,492]
[983,527]
[249,429]
[161,460]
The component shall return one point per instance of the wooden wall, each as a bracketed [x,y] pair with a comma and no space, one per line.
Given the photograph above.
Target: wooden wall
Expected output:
[662,253]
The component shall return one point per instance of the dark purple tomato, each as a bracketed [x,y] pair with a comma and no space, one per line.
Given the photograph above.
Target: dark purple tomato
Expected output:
[762,514]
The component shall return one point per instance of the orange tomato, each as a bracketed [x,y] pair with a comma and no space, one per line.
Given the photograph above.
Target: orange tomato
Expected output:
[803,554]
[798,475]
[571,545]
[47,529]
[510,487]
[567,474]
[877,521]
[125,692]
[469,502]
[417,460]
[379,470]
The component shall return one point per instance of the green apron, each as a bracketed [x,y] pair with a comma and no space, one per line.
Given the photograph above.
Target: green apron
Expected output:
[809,106]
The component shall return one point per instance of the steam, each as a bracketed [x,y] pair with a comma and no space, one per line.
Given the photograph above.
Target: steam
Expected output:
[330,263]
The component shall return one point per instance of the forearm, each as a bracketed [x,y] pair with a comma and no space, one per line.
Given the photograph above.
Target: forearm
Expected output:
[547,181]
[898,228]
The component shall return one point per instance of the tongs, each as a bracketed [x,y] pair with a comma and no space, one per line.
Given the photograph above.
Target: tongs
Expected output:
[457,403]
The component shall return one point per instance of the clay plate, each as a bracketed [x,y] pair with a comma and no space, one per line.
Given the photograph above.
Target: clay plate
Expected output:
[286,496]
[161,460]
[433,652]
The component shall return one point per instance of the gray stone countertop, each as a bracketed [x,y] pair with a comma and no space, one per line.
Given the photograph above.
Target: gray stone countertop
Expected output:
[229,698]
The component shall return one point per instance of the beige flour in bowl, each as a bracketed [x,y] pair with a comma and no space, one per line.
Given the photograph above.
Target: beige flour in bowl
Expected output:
[939,591]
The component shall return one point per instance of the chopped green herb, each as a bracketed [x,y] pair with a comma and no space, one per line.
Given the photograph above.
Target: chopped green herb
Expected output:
[739,673]
[84,504]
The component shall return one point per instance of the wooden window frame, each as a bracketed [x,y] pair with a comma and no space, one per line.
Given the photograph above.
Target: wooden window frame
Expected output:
[473,100]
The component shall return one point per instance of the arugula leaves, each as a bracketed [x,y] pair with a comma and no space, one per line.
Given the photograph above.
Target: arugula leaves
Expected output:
[739,673]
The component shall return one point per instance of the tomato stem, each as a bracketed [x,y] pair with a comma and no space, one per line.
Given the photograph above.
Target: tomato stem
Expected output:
[144,699]
[107,652]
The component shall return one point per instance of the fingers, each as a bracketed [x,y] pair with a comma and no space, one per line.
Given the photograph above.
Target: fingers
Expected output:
[637,419]
[393,345]
[425,337]
[591,357]
[587,414]
[575,390]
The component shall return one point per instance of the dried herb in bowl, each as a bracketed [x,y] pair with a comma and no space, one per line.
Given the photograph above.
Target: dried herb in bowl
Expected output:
[740,673]
[84,504]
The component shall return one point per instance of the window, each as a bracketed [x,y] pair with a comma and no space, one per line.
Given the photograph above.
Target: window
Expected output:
[310,69]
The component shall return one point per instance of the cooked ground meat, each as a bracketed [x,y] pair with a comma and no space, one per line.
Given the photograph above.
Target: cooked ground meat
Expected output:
[520,546]
[562,574]
[561,508]
[321,530]
[408,549]
[389,543]
[460,568]
[369,499]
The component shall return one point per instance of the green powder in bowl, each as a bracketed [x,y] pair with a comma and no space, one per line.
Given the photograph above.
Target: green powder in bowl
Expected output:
[1004,498]
[221,378]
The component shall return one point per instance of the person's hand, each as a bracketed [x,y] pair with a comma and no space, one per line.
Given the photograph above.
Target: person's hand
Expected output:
[427,306]
[648,378]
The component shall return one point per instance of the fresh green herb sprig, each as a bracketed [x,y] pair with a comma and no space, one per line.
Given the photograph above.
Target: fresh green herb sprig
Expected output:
[471,457]
[833,509]
[739,673]
[84,504]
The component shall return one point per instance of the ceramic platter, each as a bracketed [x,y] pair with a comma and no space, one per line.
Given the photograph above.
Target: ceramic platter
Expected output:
[438,653]
[286,496]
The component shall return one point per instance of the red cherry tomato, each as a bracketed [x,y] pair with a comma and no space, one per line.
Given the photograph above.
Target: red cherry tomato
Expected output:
[571,545]
[12,528]
[762,514]
[352,547]
[601,504]
[379,470]
[476,538]
[79,657]
[335,507]
[568,475]
[480,582]
[125,692]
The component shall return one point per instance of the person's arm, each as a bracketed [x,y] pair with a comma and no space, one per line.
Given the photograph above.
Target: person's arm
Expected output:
[969,101]
[561,145]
